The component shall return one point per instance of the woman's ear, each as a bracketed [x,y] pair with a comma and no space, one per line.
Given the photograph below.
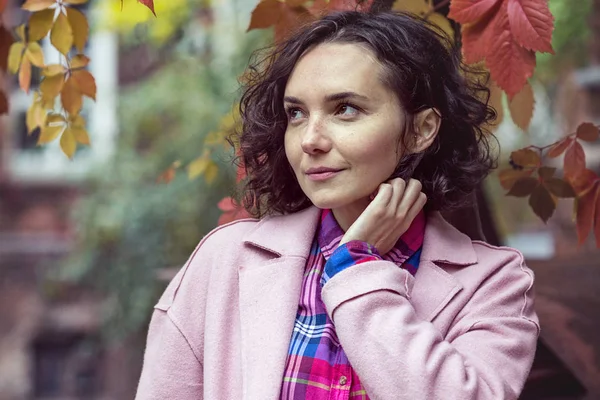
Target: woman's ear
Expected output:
[426,126]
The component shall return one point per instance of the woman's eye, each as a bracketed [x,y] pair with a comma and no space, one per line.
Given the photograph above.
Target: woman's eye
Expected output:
[294,113]
[348,110]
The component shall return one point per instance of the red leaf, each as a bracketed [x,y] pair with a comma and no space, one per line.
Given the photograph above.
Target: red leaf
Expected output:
[476,38]
[6,40]
[542,203]
[586,210]
[350,5]
[273,12]
[574,160]
[531,23]
[526,157]
[265,14]
[231,211]
[468,11]
[560,147]
[508,177]
[597,218]
[523,187]
[588,132]
[3,103]
[149,4]
[583,182]
[510,64]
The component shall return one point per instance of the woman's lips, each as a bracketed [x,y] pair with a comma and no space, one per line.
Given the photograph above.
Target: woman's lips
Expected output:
[322,176]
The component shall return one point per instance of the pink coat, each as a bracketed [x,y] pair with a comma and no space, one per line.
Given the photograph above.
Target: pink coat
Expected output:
[463,328]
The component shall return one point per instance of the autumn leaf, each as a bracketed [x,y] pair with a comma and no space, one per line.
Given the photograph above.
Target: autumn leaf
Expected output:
[40,24]
[15,56]
[523,187]
[521,107]
[560,147]
[282,16]
[588,132]
[508,177]
[25,75]
[55,125]
[80,28]
[526,158]
[79,61]
[468,11]
[35,54]
[542,203]
[559,188]
[584,181]
[37,5]
[61,35]
[6,41]
[587,214]
[149,4]
[51,86]
[350,5]
[231,211]
[85,83]
[574,161]
[71,97]
[3,4]
[36,115]
[68,144]
[546,172]
[531,23]
[169,174]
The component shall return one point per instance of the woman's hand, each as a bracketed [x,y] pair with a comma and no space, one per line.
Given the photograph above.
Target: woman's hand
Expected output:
[389,215]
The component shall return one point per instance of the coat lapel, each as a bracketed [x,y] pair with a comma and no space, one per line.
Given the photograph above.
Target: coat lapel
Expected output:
[270,288]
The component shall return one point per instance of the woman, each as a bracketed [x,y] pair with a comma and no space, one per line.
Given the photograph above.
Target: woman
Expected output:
[356,132]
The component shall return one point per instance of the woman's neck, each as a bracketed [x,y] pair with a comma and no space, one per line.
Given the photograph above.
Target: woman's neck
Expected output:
[346,215]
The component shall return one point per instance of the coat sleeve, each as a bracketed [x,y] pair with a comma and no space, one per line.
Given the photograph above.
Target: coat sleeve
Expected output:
[486,354]
[171,369]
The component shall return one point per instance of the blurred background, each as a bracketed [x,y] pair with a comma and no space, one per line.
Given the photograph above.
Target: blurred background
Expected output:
[88,245]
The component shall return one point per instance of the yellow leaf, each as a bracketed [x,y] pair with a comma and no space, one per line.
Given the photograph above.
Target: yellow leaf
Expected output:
[79,61]
[71,97]
[40,24]
[75,1]
[68,143]
[77,121]
[36,116]
[79,26]
[35,54]
[51,86]
[37,5]
[15,55]
[418,7]
[86,84]
[198,166]
[80,135]
[54,69]
[521,107]
[25,75]
[212,170]
[55,125]
[443,23]
[61,36]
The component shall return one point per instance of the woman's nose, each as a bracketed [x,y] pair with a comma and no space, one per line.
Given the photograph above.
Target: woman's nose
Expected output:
[315,139]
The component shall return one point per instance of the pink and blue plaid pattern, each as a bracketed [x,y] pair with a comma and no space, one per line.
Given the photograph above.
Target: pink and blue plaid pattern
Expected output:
[317,367]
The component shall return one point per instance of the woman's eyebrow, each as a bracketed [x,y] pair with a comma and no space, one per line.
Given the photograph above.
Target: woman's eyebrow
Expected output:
[329,98]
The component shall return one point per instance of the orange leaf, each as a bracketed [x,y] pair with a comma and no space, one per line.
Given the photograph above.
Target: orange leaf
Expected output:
[526,157]
[37,5]
[531,23]
[574,160]
[523,187]
[281,15]
[80,61]
[71,97]
[265,14]
[560,147]
[25,75]
[546,172]
[61,35]
[40,24]
[588,132]
[79,26]
[521,107]
[350,5]
[149,4]
[586,211]
[542,203]
[509,63]
[85,82]
[3,6]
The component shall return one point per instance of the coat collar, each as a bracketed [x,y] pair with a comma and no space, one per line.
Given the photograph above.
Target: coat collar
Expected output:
[292,235]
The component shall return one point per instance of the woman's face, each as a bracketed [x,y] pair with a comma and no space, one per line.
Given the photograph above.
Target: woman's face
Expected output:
[344,125]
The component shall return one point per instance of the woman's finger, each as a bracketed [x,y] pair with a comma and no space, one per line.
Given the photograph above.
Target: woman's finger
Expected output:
[398,189]
[411,194]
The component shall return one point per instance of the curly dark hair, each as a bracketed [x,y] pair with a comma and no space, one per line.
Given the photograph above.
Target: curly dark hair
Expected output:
[421,64]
